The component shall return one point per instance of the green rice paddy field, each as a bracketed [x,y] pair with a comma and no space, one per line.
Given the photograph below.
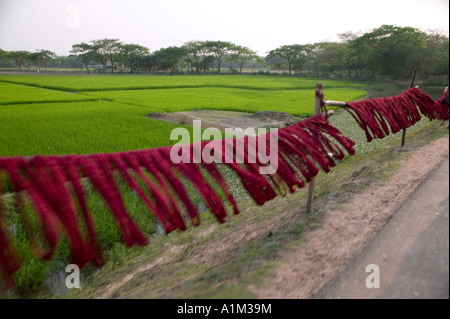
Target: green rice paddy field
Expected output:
[82,83]
[79,114]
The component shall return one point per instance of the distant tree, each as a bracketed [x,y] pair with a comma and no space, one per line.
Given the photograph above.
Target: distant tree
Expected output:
[131,54]
[107,50]
[3,55]
[390,50]
[218,49]
[33,57]
[61,61]
[348,36]
[19,57]
[42,57]
[241,55]
[86,52]
[352,61]
[329,57]
[301,58]
[207,62]
[436,56]
[193,57]
[46,57]
[275,62]
[147,63]
[257,60]
[169,59]
[295,55]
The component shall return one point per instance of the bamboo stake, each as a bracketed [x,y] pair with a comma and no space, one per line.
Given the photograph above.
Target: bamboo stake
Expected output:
[335,103]
[413,78]
[317,108]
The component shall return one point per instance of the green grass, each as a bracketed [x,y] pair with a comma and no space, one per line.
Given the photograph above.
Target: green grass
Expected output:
[19,94]
[79,83]
[118,123]
[78,128]
[296,102]
[42,69]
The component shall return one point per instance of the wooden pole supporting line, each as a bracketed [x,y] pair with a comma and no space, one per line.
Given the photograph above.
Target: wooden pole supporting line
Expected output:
[413,78]
[317,109]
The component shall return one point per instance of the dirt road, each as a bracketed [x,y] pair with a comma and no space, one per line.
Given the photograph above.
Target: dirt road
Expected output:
[411,251]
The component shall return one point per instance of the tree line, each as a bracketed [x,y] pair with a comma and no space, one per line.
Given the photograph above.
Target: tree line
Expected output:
[387,50]
[193,56]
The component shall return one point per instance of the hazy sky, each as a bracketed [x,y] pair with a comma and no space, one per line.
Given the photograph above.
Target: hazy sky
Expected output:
[259,24]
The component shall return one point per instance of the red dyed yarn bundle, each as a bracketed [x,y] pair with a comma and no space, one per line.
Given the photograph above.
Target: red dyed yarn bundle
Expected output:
[381,116]
[55,186]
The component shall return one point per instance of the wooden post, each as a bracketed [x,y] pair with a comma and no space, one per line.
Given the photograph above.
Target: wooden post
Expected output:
[317,108]
[413,78]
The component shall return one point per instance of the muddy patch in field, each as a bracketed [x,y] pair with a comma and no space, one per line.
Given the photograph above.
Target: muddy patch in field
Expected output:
[228,119]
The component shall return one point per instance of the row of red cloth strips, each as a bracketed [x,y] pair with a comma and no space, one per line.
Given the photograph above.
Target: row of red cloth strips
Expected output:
[54,185]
